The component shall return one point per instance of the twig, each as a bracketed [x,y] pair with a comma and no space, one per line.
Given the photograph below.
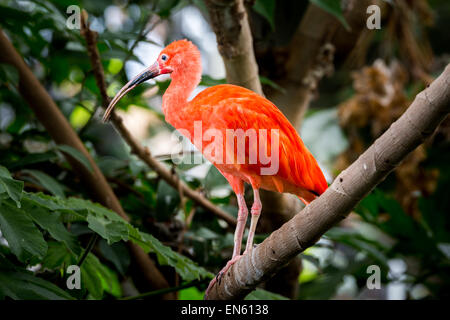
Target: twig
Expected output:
[168,290]
[90,246]
[141,36]
[143,152]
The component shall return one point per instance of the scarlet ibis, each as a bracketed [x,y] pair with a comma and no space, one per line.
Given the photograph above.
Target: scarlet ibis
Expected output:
[229,107]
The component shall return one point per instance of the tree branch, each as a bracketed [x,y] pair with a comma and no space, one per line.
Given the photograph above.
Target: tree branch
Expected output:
[230,24]
[142,152]
[419,121]
[61,132]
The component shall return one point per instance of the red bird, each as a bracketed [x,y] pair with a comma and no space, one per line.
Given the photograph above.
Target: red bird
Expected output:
[226,109]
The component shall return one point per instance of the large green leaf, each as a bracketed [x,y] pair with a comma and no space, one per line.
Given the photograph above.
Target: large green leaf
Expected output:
[47,182]
[185,267]
[22,285]
[58,256]
[90,278]
[97,278]
[51,221]
[76,154]
[333,7]
[112,231]
[117,254]
[24,238]
[12,187]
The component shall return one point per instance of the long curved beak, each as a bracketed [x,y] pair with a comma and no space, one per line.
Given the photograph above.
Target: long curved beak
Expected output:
[145,75]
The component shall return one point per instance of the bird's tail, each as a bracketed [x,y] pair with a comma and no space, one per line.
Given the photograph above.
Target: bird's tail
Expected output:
[303,200]
[307,196]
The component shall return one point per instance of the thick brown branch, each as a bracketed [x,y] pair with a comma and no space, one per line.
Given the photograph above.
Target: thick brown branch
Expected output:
[143,153]
[419,121]
[230,24]
[62,133]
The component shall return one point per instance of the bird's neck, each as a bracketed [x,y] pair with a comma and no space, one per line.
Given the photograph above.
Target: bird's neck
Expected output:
[176,97]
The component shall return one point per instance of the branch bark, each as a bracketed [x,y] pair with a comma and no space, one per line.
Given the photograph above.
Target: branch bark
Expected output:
[230,24]
[142,152]
[60,130]
[419,121]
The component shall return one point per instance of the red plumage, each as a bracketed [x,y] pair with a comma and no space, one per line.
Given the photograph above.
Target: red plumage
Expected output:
[232,107]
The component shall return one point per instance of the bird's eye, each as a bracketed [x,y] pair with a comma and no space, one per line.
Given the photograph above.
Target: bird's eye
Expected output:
[164,57]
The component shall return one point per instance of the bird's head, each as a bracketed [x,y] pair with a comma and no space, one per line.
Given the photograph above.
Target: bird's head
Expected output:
[180,58]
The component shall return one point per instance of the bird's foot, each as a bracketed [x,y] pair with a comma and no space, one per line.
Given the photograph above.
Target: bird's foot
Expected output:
[219,276]
[249,250]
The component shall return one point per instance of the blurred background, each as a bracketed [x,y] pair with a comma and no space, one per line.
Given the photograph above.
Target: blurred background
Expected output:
[341,84]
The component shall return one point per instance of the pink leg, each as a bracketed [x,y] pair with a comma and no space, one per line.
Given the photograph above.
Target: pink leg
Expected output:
[238,233]
[240,227]
[256,212]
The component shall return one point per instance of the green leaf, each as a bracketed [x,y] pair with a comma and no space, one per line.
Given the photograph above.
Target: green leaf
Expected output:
[399,222]
[117,254]
[97,278]
[9,73]
[58,256]
[76,154]
[51,221]
[333,7]
[112,231]
[12,187]
[24,286]
[33,158]
[24,238]
[267,81]
[110,281]
[260,294]
[185,267]
[47,182]
[90,277]
[46,201]
[266,8]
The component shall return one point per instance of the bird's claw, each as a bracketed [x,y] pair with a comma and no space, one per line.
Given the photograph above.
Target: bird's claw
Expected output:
[218,278]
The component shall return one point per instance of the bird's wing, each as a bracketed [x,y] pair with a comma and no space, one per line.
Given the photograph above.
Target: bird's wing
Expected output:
[232,107]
